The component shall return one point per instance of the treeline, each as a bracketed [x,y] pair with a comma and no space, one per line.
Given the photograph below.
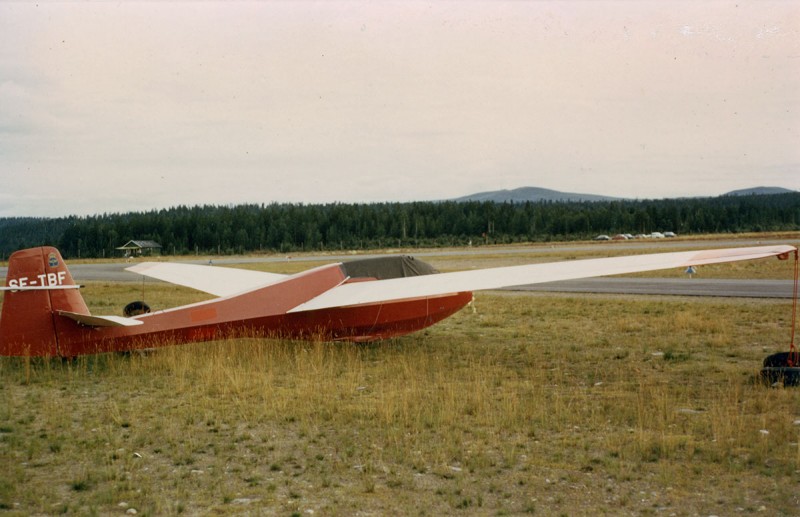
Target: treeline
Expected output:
[295,227]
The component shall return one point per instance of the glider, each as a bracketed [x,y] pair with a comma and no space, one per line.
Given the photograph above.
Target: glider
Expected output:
[43,313]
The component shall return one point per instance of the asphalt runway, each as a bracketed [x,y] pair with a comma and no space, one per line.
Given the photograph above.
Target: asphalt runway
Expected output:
[654,286]
[115,272]
[669,287]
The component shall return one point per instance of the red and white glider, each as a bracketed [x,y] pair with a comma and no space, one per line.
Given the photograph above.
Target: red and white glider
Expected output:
[44,314]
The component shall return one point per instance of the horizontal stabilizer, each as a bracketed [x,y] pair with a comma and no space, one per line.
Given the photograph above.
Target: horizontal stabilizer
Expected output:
[219,281]
[100,321]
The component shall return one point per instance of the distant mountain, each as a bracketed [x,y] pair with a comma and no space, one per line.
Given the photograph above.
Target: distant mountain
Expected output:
[759,191]
[534,194]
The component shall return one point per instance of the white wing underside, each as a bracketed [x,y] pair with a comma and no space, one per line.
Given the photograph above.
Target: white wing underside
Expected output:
[223,281]
[219,281]
[361,293]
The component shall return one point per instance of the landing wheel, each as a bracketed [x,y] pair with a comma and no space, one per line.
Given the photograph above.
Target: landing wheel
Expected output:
[135,308]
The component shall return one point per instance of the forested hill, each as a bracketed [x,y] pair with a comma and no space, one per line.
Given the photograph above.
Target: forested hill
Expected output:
[291,227]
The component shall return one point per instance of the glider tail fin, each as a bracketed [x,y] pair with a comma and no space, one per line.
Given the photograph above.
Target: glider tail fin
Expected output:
[38,284]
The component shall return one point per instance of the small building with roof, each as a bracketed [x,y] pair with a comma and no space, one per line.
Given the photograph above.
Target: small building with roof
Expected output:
[139,248]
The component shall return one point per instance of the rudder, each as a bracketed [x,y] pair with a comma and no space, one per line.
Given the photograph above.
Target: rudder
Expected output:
[36,287]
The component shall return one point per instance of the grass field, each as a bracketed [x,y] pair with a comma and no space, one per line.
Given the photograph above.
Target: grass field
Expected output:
[524,403]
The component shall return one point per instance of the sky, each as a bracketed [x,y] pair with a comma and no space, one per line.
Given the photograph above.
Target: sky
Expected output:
[128,106]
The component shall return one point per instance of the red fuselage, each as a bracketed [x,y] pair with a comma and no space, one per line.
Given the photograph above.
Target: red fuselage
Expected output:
[36,328]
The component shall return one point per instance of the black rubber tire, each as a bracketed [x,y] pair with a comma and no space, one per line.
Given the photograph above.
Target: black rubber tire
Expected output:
[135,308]
[777,370]
[782,359]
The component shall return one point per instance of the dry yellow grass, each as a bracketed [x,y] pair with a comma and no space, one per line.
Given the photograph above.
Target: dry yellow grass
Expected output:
[541,404]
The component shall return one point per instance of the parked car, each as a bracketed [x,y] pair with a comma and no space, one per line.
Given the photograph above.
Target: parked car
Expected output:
[602,238]
[669,234]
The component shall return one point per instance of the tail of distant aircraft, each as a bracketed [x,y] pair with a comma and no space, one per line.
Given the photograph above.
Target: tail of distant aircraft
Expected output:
[38,284]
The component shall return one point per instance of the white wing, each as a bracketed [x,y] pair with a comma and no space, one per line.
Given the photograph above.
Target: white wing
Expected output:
[219,281]
[494,278]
